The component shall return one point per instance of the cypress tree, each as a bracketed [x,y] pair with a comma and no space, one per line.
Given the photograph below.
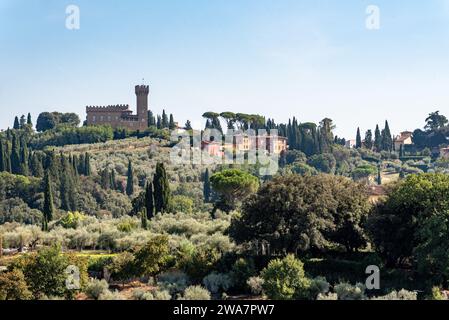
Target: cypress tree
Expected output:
[7,158]
[24,168]
[379,176]
[75,165]
[105,179]
[65,185]
[37,169]
[82,165]
[149,200]
[159,122]
[358,139]
[377,139]
[2,157]
[144,219]
[87,167]
[151,119]
[130,180]
[206,186]
[29,122]
[161,189]
[369,140]
[387,140]
[112,180]
[171,124]
[401,151]
[52,166]
[164,120]
[16,165]
[22,122]
[16,125]
[48,209]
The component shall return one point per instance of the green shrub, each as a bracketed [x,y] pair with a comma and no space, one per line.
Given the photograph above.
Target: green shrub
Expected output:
[437,295]
[13,286]
[318,285]
[241,271]
[346,291]
[285,279]
[200,263]
[45,272]
[196,293]
[217,282]
[175,282]
[399,295]
[255,284]
[156,294]
[181,203]
[328,296]
[95,288]
[111,295]
[71,220]
[98,263]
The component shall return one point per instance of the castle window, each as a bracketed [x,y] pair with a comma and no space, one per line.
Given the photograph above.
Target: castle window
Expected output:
[93,118]
[116,118]
[101,118]
[109,118]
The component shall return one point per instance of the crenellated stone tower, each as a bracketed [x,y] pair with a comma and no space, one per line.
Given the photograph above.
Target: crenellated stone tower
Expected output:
[142,93]
[120,116]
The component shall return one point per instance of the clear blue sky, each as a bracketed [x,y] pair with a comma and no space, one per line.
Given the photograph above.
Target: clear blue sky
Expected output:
[280,58]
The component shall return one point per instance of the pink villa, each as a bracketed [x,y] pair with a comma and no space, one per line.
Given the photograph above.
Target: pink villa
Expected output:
[244,143]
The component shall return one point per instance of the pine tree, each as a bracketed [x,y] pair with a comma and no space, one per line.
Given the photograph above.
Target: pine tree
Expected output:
[16,125]
[161,189]
[358,139]
[29,122]
[206,186]
[171,124]
[48,209]
[377,139]
[16,165]
[87,167]
[149,200]
[216,124]
[130,180]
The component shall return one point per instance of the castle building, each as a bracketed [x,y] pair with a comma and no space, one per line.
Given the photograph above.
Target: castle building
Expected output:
[120,116]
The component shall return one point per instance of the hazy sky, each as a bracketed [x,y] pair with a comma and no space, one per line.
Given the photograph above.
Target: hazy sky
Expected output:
[280,58]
